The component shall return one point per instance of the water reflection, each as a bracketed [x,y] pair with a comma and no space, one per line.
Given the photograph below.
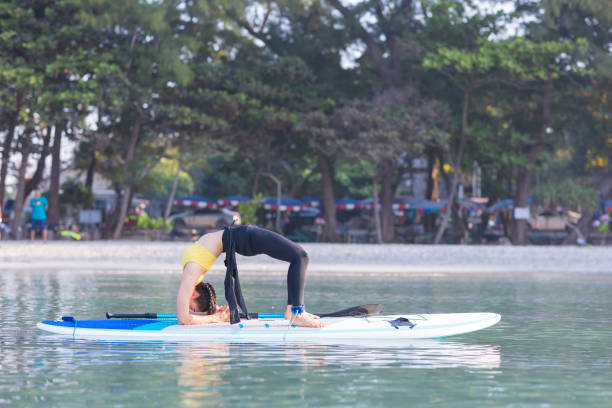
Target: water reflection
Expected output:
[200,372]
[416,354]
[199,361]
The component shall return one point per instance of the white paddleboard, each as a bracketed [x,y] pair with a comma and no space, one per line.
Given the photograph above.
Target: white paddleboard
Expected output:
[337,329]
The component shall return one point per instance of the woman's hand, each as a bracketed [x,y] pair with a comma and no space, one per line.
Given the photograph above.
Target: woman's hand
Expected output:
[221,314]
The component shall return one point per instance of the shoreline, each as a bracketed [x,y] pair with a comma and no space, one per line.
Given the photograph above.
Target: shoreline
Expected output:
[334,259]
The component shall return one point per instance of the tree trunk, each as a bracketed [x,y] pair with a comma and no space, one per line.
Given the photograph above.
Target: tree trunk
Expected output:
[174,186]
[34,181]
[6,148]
[111,220]
[122,210]
[54,187]
[379,236]
[6,152]
[452,193]
[444,174]
[256,181]
[91,169]
[458,221]
[432,191]
[387,216]
[127,185]
[329,198]
[523,186]
[20,196]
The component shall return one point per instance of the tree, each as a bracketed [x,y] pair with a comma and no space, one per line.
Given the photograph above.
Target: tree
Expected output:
[138,42]
[21,78]
[468,61]
[308,36]
[384,134]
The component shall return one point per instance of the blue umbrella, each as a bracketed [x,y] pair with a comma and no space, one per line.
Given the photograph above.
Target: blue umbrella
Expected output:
[195,201]
[506,204]
[286,204]
[233,201]
[348,204]
[310,202]
[466,204]
[424,206]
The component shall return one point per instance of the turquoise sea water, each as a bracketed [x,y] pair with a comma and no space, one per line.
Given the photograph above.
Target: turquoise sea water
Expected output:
[553,346]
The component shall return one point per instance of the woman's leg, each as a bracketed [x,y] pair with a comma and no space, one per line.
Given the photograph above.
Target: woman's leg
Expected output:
[267,242]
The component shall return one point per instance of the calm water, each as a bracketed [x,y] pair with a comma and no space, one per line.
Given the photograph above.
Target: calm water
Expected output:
[553,346]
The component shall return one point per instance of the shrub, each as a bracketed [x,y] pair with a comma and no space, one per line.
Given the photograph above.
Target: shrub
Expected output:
[248,211]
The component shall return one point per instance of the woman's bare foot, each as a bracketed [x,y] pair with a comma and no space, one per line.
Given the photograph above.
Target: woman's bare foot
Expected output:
[305,320]
[288,314]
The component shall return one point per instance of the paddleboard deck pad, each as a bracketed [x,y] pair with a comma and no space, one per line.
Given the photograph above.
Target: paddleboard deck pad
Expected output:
[337,329]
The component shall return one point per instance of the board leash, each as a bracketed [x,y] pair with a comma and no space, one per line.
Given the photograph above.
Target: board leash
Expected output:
[295,311]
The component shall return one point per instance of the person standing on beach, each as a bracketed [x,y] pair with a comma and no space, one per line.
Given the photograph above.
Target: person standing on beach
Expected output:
[40,206]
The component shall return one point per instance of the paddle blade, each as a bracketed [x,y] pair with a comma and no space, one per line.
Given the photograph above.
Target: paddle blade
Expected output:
[356,311]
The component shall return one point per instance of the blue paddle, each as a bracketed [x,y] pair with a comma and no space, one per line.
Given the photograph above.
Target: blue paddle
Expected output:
[355,311]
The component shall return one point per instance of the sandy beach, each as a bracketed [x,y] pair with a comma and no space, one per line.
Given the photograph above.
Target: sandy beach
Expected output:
[165,257]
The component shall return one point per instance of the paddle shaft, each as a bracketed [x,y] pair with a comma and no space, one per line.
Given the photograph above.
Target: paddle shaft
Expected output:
[173,316]
[363,310]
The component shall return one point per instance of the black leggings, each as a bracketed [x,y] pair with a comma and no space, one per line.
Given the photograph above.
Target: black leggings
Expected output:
[251,240]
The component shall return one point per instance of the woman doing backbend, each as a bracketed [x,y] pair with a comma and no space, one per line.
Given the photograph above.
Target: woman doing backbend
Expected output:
[196,300]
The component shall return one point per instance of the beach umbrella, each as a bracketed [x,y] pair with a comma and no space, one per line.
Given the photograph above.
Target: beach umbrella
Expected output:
[503,205]
[423,206]
[286,204]
[348,204]
[195,201]
[232,201]
[368,203]
[402,203]
[419,205]
[469,205]
[310,202]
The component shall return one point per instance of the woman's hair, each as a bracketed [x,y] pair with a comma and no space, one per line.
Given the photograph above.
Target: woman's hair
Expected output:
[207,299]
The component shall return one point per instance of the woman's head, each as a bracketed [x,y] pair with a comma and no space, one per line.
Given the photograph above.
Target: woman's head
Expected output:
[204,298]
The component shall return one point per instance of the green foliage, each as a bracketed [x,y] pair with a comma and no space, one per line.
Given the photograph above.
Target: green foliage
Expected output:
[226,93]
[393,126]
[248,211]
[572,194]
[158,182]
[147,223]
[74,193]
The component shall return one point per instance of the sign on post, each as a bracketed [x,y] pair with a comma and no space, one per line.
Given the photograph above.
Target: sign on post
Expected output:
[90,217]
[521,213]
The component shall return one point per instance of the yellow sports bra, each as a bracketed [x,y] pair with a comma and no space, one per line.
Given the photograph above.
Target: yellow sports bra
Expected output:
[200,255]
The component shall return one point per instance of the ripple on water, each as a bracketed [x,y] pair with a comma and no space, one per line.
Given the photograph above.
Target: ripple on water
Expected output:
[551,347]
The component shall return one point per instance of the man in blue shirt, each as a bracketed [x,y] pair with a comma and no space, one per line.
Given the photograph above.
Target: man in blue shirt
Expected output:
[39,207]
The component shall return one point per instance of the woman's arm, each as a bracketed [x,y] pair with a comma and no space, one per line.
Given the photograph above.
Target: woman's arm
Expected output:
[191,276]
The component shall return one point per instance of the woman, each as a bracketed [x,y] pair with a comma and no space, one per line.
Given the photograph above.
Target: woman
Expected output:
[196,301]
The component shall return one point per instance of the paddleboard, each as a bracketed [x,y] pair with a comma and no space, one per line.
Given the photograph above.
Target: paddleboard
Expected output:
[337,329]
